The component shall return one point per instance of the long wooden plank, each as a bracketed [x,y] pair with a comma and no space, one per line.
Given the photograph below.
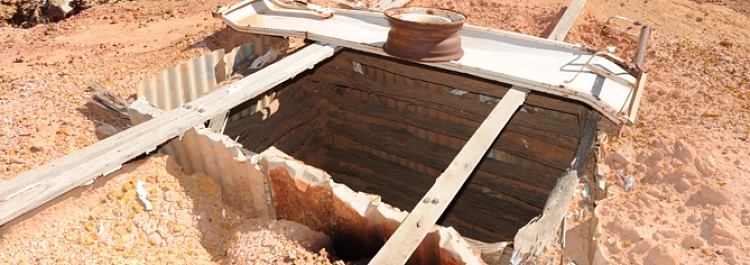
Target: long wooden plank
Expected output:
[284,96]
[512,141]
[32,189]
[521,183]
[268,132]
[566,21]
[414,228]
[442,126]
[535,237]
[386,4]
[461,107]
[393,182]
[398,177]
[452,79]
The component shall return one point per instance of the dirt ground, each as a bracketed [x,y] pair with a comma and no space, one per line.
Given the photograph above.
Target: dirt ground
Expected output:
[107,223]
[687,153]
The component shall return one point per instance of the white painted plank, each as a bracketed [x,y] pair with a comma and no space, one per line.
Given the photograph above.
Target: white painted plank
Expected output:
[386,4]
[530,62]
[32,189]
[418,223]
[566,21]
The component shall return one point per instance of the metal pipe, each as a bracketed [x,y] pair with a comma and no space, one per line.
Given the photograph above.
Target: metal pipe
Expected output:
[640,54]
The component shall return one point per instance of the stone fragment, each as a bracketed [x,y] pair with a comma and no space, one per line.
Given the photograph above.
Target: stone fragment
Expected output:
[668,232]
[684,152]
[709,194]
[59,9]
[682,185]
[643,246]
[621,157]
[693,242]
[727,252]
[720,232]
[661,255]
[171,196]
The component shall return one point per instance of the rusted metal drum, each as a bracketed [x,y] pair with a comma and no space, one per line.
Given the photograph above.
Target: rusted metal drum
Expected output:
[424,34]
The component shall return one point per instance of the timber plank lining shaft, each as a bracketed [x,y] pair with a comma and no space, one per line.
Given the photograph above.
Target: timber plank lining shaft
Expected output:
[468,83]
[36,187]
[414,228]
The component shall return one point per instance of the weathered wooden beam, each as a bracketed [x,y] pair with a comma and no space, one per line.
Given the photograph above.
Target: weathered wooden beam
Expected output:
[414,228]
[259,136]
[386,4]
[461,107]
[32,189]
[402,175]
[566,21]
[284,95]
[471,205]
[535,237]
[401,196]
[484,224]
[451,79]
[521,183]
[301,138]
[511,142]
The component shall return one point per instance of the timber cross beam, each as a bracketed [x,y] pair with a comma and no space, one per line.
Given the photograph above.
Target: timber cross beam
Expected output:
[423,217]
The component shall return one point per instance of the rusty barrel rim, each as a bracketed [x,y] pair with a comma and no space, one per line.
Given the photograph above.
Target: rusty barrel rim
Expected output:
[424,34]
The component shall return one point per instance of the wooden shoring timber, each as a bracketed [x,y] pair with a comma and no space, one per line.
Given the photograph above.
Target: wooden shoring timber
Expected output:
[414,228]
[460,107]
[365,180]
[34,188]
[512,142]
[534,177]
[260,135]
[284,95]
[535,237]
[565,23]
[299,137]
[550,137]
[473,207]
[449,79]
[471,231]
[386,4]
[498,176]
[402,175]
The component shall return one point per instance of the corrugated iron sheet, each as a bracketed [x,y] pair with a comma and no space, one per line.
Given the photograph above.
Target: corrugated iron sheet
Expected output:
[221,158]
[190,80]
[218,156]
[369,220]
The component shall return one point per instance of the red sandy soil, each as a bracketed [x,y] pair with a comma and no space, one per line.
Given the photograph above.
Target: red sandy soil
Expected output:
[107,223]
[687,151]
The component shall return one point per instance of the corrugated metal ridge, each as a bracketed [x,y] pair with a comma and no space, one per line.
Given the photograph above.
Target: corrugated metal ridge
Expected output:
[190,80]
[379,219]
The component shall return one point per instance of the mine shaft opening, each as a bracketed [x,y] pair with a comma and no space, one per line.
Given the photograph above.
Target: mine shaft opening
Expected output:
[390,127]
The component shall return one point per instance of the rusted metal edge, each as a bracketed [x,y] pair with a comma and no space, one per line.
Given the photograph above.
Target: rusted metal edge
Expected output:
[190,80]
[380,218]
[542,231]
[517,59]
[55,178]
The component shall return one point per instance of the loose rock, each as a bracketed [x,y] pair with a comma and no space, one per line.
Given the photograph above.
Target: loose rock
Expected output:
[661,255]
[693,242]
